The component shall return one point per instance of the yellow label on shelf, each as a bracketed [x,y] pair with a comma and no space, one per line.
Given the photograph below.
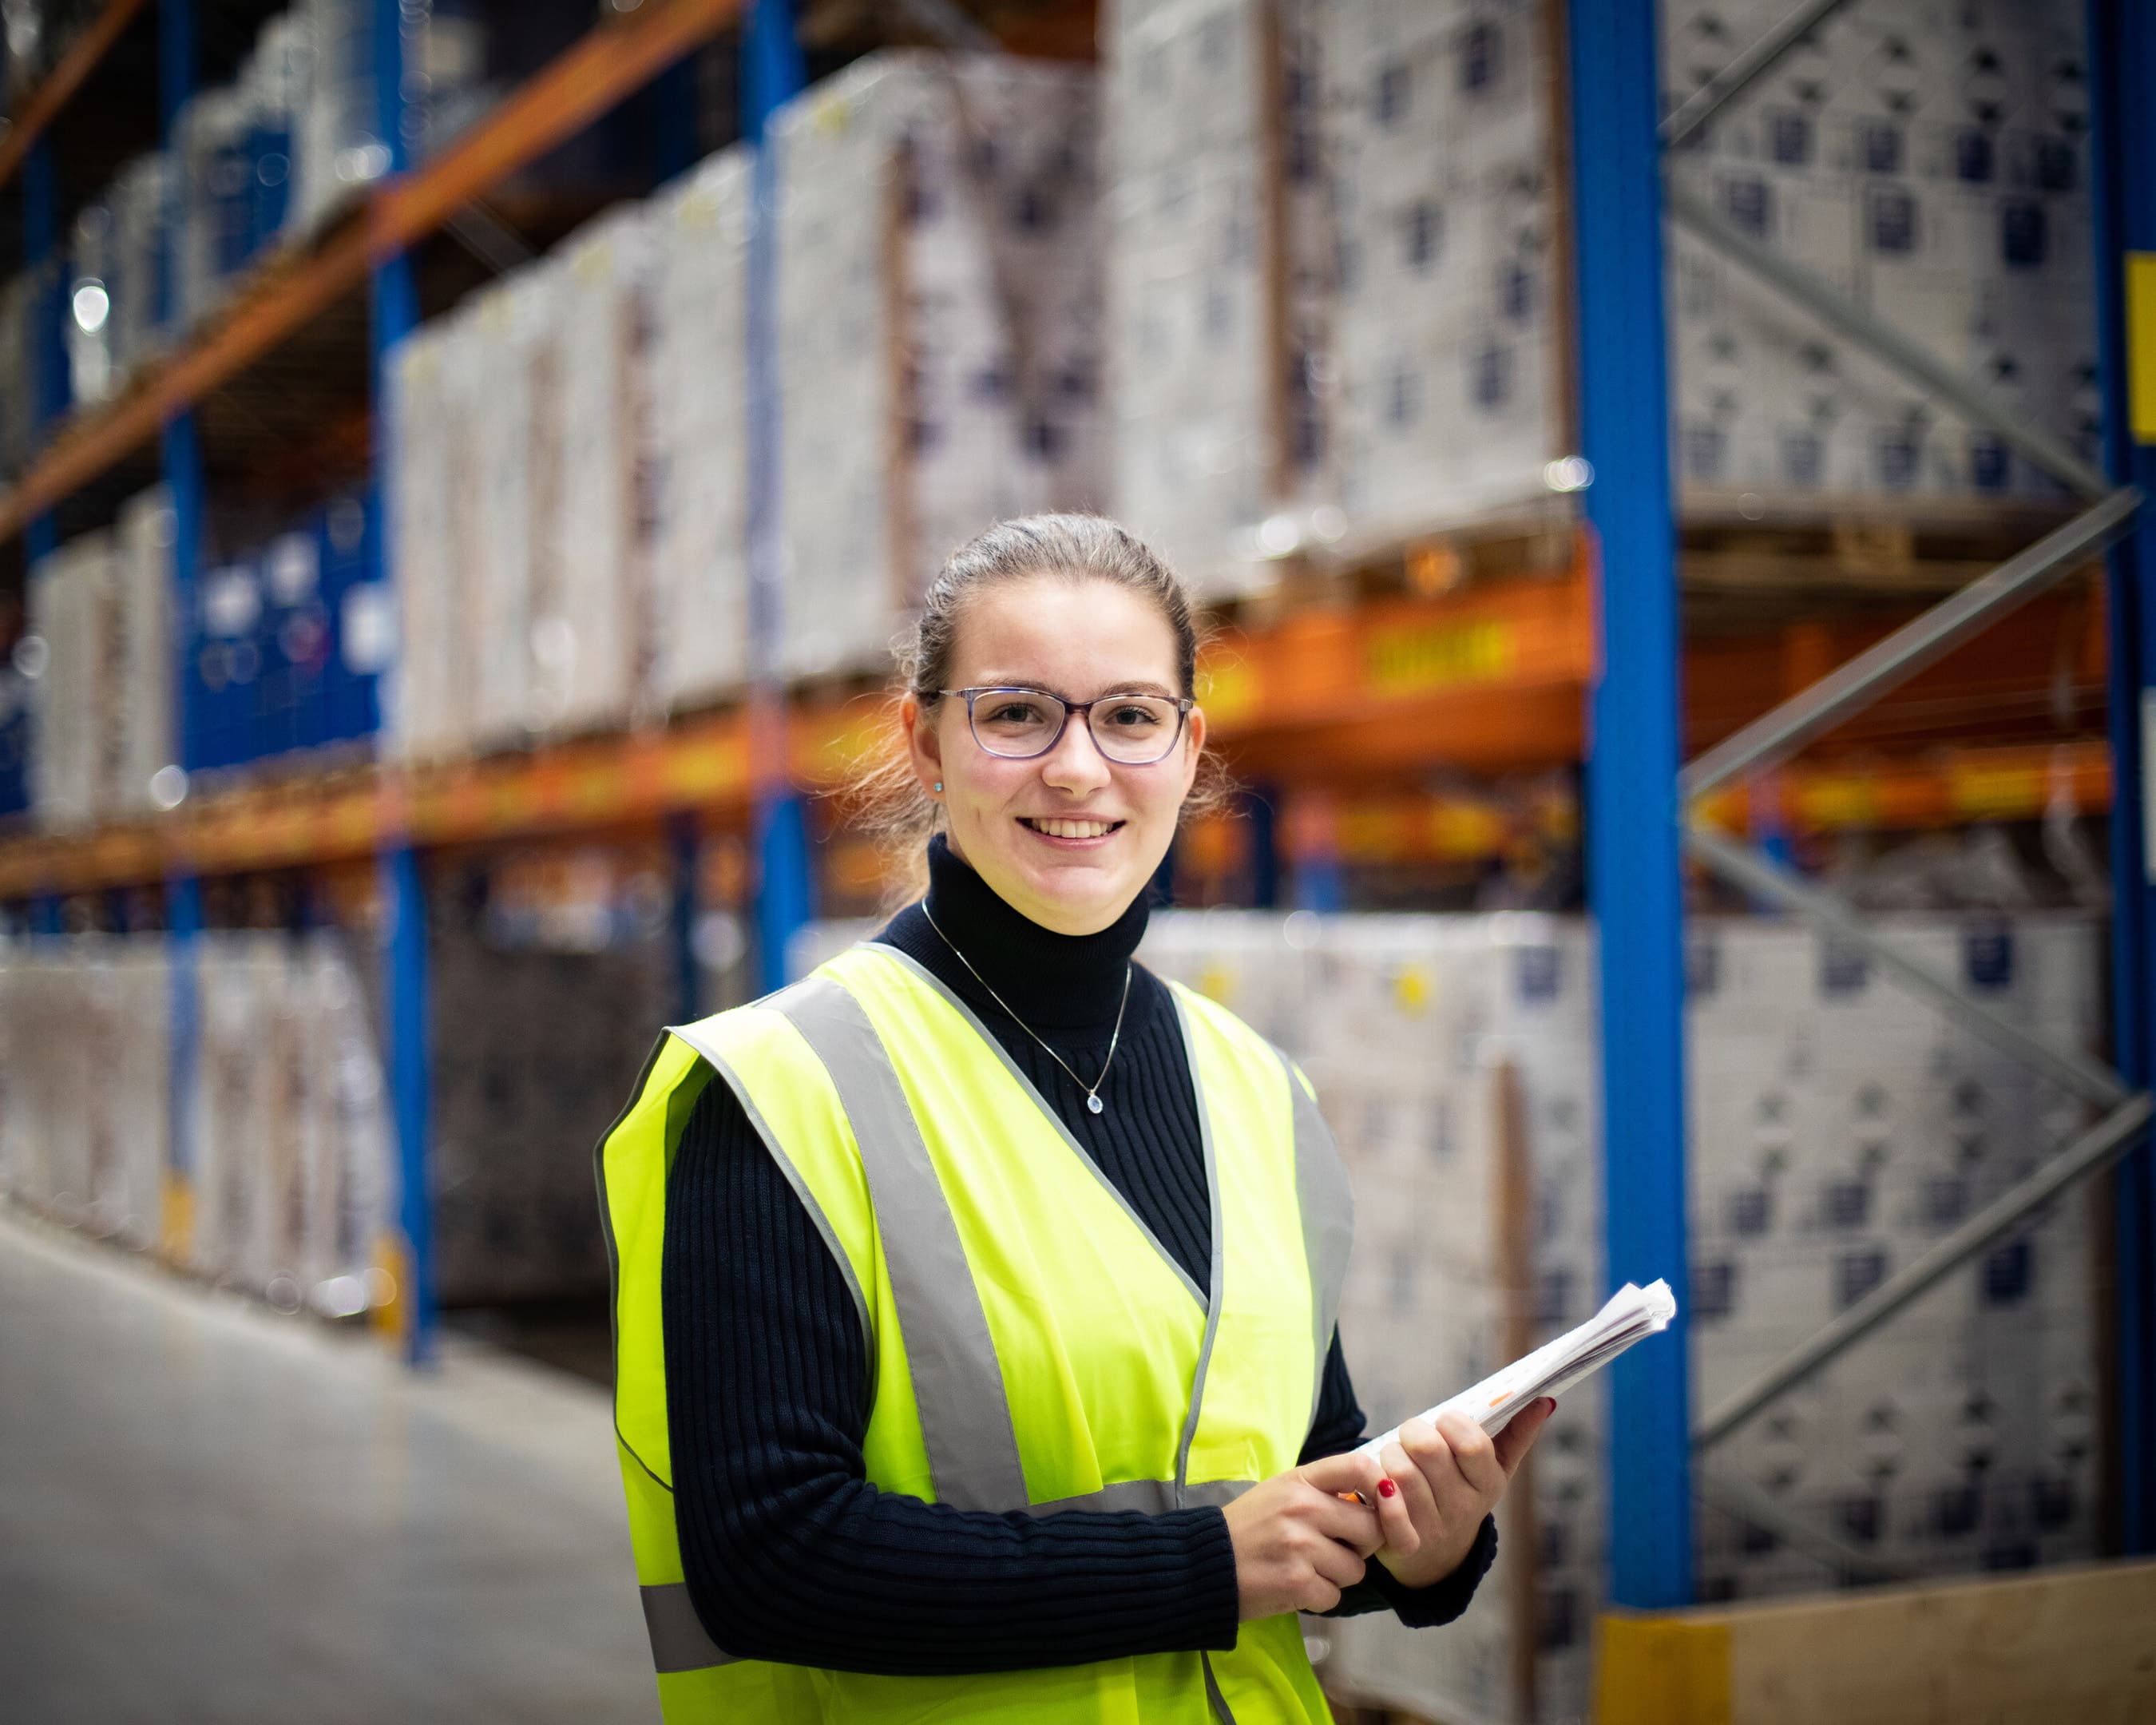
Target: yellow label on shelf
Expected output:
[1429,656]
[2141,345]
[1842,801]
[1996,791]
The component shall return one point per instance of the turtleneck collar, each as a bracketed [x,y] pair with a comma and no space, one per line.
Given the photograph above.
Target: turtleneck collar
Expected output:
[1063,980]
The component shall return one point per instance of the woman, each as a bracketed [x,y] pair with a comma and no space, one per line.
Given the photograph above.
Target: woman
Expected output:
[975,1333]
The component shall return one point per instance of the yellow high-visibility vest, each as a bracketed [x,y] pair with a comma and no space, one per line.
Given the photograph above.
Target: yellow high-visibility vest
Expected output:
[1035,1348]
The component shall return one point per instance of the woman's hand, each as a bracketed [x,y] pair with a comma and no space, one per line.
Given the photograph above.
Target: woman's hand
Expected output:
[1299,1541]
[1449,1476]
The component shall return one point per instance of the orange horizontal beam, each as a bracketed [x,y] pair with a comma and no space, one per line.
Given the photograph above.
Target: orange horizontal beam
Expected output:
[285,293]
[62,82]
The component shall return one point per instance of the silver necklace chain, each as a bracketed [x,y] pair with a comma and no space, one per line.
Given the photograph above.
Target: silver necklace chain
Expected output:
[1093,1103]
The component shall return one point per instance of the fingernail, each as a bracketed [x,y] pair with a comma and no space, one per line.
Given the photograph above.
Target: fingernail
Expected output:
[1386,1488]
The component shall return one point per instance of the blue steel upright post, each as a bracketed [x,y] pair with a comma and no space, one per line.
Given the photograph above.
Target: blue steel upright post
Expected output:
[2122,41]
[180,451]
[49,381]
[1632,839]
[772,74]
[394,310]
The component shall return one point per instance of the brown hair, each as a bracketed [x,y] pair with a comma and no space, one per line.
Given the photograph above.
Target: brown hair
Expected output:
[885,797]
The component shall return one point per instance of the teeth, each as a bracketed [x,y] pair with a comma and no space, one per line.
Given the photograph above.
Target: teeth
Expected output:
[1072,829]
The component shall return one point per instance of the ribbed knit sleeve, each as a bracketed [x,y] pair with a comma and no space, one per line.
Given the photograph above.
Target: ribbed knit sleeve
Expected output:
[789,1553]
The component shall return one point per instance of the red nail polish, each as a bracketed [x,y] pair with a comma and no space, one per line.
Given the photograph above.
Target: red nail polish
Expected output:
[1386,1488]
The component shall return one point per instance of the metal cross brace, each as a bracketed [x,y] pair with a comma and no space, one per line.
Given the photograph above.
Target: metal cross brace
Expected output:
[1748,1502]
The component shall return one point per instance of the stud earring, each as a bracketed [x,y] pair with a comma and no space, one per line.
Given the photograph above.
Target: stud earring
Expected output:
[939,784]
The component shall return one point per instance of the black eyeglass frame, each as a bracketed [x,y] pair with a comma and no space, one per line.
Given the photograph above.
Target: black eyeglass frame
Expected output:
[1183,703]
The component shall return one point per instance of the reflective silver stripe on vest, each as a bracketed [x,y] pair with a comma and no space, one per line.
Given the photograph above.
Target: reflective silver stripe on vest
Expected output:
[957,1384]
[1328,1217]
[1219,1258]
[678,1641]
[1152,1498]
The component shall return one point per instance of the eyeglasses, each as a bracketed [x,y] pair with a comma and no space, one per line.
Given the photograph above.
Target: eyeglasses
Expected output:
[1019,724]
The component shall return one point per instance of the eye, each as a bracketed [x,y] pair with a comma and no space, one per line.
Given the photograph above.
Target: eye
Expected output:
[1135,715]
[1014,709]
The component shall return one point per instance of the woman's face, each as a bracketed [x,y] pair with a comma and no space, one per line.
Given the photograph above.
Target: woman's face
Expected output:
[1012,820]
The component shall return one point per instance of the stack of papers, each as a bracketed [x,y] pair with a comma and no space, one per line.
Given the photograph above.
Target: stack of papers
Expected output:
[1631,1315]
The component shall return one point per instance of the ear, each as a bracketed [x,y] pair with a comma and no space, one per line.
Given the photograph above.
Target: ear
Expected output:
[1193,745]
[923,747]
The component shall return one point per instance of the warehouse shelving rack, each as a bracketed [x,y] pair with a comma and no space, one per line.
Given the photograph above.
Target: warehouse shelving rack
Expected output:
[1643,808]
[1536,673]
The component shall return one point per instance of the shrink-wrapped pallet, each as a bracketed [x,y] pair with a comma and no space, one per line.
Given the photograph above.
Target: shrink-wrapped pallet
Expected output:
[349,1184]
[240,995]
[588,618]
[430,502]
[142,299]
[143,656]
[1929,162]
[71,607]
[1444,331]
[510,329]
[698,366]
[1331,301]
[939,272]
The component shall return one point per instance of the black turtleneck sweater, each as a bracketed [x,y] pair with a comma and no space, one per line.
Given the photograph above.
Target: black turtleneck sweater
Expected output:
[789,1553]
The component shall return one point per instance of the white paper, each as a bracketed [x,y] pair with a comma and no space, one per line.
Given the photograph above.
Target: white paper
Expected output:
[1631,1315]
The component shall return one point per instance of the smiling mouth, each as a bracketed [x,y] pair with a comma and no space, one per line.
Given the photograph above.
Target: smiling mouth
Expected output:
[1070,829]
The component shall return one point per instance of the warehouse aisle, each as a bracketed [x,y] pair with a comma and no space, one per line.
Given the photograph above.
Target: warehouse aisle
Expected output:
[211,1514]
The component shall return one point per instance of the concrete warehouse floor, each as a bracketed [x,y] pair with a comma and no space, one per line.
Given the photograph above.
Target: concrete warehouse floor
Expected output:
[210,1513]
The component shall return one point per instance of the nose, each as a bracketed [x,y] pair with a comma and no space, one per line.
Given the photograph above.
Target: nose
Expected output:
[1075,764]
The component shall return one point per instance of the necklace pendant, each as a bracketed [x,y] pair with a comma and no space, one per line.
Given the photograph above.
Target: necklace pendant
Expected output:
[1093,1105]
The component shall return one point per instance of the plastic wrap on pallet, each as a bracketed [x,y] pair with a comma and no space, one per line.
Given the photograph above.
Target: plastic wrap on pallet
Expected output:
[83,1067]
[1198,454]
[72,612]
[340,146]
[216,201]
[1931,163]
[945,372]
[142,655]
[420,715]
[1331,296]
[86,317]
[1442,335]
[589,633]
[698,364]
[143,299]
[513,332]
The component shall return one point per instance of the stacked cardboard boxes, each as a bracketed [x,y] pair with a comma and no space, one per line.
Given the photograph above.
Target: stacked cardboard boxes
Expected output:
[1931,163]
[939,283]
[698,383]
[102,697]
[85,1097]
[293,1182]
[1331,303]
[1837,1129]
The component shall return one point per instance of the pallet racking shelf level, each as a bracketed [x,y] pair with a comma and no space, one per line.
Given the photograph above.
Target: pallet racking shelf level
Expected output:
[300,284]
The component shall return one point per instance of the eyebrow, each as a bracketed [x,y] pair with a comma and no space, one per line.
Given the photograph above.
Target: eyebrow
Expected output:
[1139,685]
